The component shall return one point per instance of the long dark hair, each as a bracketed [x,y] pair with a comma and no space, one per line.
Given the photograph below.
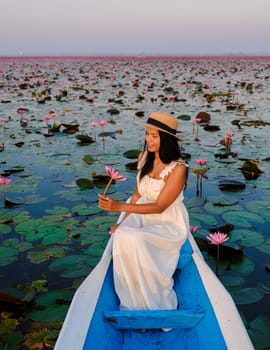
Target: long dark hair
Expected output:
[169,150]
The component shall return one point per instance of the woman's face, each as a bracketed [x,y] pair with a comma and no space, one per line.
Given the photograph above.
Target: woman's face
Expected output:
[152,139]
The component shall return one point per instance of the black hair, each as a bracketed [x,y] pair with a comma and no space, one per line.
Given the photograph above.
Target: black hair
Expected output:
[169,150]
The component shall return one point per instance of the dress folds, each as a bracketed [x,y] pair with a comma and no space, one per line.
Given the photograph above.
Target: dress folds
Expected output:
[146,250]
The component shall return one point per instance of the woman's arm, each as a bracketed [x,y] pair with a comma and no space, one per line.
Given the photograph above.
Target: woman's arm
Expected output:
[175,183]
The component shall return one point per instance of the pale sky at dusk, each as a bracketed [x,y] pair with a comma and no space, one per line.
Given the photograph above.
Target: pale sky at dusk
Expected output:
[150,27]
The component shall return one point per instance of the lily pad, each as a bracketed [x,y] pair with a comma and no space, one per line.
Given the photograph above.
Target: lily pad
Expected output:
[8,255]
[249,238]
[51,306]
[84,209]
[259,330]
[242,218]
[265,247]
[72,266]
[4,229]
[84,183]
[246,295]
[21,246]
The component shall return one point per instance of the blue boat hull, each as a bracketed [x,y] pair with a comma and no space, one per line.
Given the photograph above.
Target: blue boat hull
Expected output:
[206,317]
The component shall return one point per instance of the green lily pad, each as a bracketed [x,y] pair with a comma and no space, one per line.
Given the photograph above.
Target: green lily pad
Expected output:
[89,159]
[4,229]
[132,154]
[51,306]
[242,218]
[184,117]
[84,209]
[57,210]
[84,184]
[72,266]
[248,238]
[264,287]
[8,325]
[34,229]
[40,256]
[21,246]
[265,247]
[259,330]
[8,255]
[200,218]
[246,295]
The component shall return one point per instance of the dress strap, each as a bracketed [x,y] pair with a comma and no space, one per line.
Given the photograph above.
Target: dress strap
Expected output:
[169,168]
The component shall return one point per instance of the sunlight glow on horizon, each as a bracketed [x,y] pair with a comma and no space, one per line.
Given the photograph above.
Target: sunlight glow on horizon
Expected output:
[125,27]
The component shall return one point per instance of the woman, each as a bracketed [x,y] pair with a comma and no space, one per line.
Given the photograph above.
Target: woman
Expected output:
[147,242]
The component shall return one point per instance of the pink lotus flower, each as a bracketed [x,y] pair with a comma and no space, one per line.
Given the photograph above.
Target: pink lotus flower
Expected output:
[114,175]
[21,111]
[4,121]
[217,238]
[201,162]
[193,229]
[47,117]
[94,125]
[230,133]
[4,181]
[102,123]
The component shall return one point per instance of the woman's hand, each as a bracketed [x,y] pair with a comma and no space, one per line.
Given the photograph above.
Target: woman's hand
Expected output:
[114,228]
[108,204]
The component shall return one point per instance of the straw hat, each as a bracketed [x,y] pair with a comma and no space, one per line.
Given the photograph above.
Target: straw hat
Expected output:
[163,122]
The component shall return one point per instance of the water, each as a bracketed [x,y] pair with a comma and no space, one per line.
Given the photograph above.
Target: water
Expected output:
[84,89]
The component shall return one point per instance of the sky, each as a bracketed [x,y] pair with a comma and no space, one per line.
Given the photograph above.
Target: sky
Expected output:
[134,27]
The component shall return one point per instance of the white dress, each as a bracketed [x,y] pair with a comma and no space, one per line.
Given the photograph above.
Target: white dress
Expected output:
[146,250]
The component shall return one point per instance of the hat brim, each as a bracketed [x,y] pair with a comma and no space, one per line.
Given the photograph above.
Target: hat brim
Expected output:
[160,129]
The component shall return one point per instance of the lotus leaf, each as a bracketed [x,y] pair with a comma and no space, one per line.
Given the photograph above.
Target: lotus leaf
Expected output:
[8,325]
[17,244]
[34,199]
[8,255]
[41,339]
[232,281]
[247,238]
[258,330]
[57,234]
[34,229]
[84,209]
[132,154]
[265,247]
[242,218]
[40,256]
[264,287]
[85,184]
[57,210]
[72,266]
[4,229]
[200,218]
[89,159]
[51,306]
[12,340]
[246,295]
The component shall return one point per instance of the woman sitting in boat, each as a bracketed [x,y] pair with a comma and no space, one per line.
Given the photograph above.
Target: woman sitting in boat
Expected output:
[147,242]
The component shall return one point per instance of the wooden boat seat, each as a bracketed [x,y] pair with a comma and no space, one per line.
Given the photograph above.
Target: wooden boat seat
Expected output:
[153,319]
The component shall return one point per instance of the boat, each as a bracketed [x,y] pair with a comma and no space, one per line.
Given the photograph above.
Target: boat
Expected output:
[207,317]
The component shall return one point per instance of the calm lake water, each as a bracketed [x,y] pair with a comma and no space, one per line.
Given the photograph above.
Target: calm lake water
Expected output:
[52,232]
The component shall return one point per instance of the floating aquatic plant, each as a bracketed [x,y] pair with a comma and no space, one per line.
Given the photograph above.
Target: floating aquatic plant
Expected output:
[114,175]
[217,239]
[200,172]
[4,181]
